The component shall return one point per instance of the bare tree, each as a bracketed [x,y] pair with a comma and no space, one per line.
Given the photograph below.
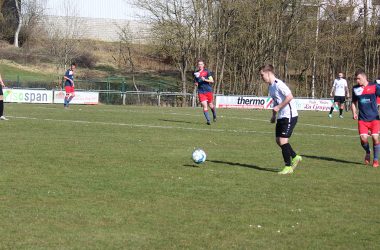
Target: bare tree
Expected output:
[20,20]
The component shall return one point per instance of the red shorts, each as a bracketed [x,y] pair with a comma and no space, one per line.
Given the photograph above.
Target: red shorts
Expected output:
[209,97]
[365,127]
[69,89]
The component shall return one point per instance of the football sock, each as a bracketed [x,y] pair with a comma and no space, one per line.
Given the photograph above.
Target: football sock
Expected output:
[376,151]
[1,107]
[65,102]
[69,100]
[365,145]
[286,154]
[340,111]
[213,112]
[205,112]
[331,110]
[292,153]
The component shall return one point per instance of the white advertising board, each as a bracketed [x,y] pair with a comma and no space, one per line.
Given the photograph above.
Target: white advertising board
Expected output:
[243,102]
[267,103]
[28,96]
[89,98]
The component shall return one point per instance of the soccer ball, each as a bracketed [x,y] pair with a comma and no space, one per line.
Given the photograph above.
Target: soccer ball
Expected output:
[199,156]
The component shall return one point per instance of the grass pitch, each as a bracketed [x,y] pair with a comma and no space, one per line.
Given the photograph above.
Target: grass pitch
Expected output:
[106,177]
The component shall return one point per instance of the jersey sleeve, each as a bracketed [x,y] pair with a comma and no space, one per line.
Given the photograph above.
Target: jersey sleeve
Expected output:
[283,89]
[334,84]
[354,97]
[377,90]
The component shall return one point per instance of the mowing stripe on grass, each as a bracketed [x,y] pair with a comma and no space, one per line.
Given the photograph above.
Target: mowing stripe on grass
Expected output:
[170,127]
[224,116]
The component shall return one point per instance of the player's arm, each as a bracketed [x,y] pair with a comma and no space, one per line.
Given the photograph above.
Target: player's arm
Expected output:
[209,79]
[288,98]
[354,106]
[354,110]
[1,82]
[332,90]
[273,118]
[348,92]
[68,79]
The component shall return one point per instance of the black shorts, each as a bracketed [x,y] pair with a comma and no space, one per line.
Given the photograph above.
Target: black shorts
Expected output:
[1,90]
[340,99]
[284,127]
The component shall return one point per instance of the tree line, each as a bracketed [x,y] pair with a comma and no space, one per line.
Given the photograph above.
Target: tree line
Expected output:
[308,42]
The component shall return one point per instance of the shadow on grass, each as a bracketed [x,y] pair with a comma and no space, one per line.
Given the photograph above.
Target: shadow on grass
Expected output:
[324,158]
[244,165]
[192,165]
[176,121]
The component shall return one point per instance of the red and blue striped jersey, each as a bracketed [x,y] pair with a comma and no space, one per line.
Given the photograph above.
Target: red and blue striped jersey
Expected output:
[366,97]
[203,87]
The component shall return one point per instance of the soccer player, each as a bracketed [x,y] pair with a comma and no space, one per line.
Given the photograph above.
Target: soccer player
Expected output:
[364,97]
[339,91]
[2,85]
[203,81]
[69,85]
[287,116]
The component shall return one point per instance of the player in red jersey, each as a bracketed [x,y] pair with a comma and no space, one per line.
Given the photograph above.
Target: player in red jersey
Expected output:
[203,80]
[69,85]
[364,96]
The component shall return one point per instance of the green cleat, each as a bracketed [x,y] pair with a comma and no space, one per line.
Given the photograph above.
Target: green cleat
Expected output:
[295,161]
[286,170]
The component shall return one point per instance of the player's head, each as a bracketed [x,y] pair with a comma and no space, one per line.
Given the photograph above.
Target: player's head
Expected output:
[361,77]
[200,64]
[340,75]
[267,73]
[73,66]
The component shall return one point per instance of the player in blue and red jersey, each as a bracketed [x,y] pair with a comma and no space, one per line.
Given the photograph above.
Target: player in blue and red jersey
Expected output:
[69,85]
[203,80]
[364,97]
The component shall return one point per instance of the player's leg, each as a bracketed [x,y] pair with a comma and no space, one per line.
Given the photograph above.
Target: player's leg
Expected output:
[341,107]
[332,107]
[203,100]
[66,100]
[205,112]
[212,106]
[284,129]
[286,154]
[365,146]
[72,95]
[376,144]
[2,117]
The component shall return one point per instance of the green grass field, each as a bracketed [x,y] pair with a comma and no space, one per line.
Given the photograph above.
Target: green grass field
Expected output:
[108,177]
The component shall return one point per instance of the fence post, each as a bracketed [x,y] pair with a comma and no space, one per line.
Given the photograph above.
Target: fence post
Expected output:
[159,98]
[123,92]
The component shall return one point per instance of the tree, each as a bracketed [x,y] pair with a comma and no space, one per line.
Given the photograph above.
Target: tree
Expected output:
[19,25]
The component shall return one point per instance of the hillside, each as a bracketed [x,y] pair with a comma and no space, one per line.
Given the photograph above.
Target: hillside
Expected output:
[36,68]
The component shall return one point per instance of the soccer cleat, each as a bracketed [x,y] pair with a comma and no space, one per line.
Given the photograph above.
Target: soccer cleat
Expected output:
[367,159]
[375,163]
[3,118]
[295,161]
[208,123]
[330,115]
[341,116]
[214,119]
[286,170]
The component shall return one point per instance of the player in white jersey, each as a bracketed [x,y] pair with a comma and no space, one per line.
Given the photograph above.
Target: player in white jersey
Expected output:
[285,112]
[339,91]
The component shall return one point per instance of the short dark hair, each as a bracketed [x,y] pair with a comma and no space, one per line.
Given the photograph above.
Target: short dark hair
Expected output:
[74,64]
[267,68]
[360,72]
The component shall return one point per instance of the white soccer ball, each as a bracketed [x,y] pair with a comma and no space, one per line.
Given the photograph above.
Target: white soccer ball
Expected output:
[199,156]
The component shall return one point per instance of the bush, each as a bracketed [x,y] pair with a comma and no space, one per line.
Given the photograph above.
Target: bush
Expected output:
[86,60]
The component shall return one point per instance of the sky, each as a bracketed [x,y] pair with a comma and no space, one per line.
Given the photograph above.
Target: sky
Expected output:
[115,9]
